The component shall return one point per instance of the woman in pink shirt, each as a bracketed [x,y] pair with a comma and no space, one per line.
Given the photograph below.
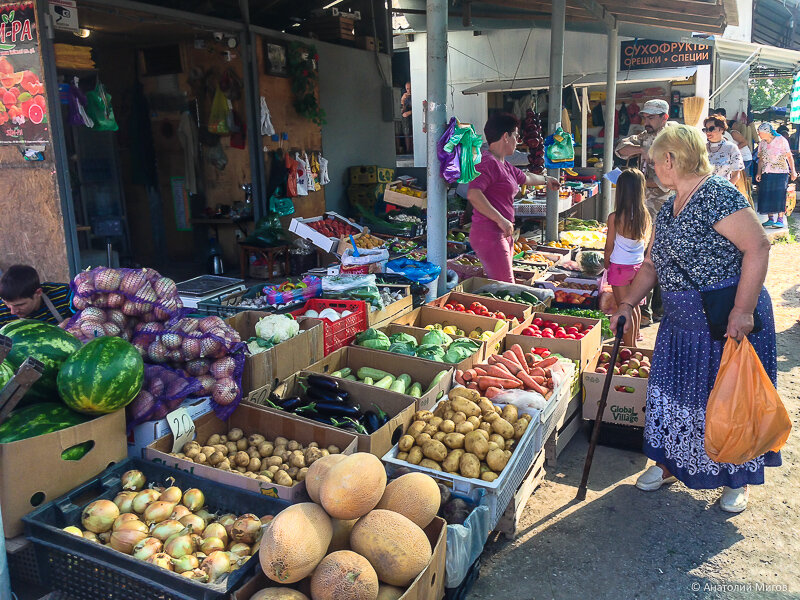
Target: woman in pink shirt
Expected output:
[492,197]
[775,169]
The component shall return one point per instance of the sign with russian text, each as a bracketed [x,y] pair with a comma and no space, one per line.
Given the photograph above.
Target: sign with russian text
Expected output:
[652,54]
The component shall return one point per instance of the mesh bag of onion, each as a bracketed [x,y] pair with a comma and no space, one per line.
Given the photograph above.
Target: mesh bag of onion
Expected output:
[163,391]
[95,322]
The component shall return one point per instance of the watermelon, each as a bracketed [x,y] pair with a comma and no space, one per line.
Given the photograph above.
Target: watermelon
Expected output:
[47,343]
[38,419]
[6,373]
[103,376]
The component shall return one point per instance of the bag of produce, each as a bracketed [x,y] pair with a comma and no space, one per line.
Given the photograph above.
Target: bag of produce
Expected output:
[163,391]
[416,271]
[449,160]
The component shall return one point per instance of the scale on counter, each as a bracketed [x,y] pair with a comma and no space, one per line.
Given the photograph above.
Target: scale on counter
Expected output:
[207,287]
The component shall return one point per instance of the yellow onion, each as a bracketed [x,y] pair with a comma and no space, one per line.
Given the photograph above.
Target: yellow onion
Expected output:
[99,516]
[201,556]
[197,575]
[165,529]
[133,480]
[144,499]
[180,512]
[196,539]
[212,544]
[92,537]
[216,530]
[171,494]
[122,519]
[136,525]
[179,545]
[216,565]
[188,562]
[74,530]
[124,540]
[161,560]
[193,499]
[246,529]
[206,516]
[236,560]
[124,501]
[158,511]
[194,522]
[227,522]
[104,537]
[240,549]
[147,548]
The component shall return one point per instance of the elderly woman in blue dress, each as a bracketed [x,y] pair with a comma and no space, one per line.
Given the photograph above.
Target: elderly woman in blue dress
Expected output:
[706,237]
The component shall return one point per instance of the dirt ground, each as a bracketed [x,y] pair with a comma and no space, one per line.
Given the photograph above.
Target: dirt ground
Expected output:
[674,543]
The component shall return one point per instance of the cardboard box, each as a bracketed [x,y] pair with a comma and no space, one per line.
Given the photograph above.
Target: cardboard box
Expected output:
[473,284]
[627,396]
[145,434]
[421,371]
[366,42]
[399,407]
[369,174]
[301,228]
[253,419]
[560,281]
[582,350]
[428,585]
[392,196]
[277,363]
[380,318]
[510,309]
[32,471]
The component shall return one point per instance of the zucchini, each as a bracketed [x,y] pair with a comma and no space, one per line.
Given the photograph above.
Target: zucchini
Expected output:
[415,391]
[436,380]
[368,381]
[342,373]
[351,377]
[376,374]
[398,385]
[385,382]
[406,379]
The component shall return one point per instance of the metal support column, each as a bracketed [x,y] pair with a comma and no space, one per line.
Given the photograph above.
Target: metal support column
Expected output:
[584,125]
[611,102]
[558,23]
[436,13]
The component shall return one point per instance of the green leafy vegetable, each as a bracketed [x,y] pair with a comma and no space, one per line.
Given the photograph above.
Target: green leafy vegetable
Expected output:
[437,337]
[587,314]
[403,337]
[431,352]
[374,339]
[403,348]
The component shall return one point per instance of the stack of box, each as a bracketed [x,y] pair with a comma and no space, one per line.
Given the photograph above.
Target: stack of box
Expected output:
[367,184]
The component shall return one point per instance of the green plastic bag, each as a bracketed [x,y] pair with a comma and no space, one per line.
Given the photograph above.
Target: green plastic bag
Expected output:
[218,119]
[99,109]
[281,207]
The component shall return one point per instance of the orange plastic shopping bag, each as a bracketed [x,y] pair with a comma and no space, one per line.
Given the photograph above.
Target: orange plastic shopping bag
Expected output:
[744,416]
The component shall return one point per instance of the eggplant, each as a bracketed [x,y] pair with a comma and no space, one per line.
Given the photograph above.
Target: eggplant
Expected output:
[318,394]
[352,423]
[382,416]
[290,404]
[336,409]
[371,421]
[323,383]
[306,411]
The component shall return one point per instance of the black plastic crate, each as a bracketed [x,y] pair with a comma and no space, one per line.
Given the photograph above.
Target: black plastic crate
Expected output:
[464,588]
[88,571]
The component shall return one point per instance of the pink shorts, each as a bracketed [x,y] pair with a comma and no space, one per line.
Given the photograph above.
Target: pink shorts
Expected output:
[622,275]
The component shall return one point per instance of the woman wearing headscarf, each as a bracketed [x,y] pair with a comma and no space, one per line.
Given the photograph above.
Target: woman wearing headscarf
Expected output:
[775,169]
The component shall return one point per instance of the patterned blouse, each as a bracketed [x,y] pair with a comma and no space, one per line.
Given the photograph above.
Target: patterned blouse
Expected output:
[691,240]
[725,157]
[772,155]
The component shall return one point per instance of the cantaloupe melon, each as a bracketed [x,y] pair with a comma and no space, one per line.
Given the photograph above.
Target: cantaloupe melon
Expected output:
[278,594]
[344,575]
[395,546]
[353,487]
[415,496]
[341,535]
[294,542]
[389,592]
[317,472]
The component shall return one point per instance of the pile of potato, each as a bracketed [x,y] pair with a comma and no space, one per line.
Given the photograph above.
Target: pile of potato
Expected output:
[466,435]
[281,461]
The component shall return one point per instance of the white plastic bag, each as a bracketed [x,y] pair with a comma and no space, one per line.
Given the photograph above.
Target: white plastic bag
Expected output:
[365,257]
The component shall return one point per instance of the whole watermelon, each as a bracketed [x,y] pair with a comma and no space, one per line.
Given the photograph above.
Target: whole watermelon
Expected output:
[38,419]
[47,343]
[6,373]
[103,376]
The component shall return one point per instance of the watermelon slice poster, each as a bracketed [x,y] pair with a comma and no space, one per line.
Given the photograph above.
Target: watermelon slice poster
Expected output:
[23,108]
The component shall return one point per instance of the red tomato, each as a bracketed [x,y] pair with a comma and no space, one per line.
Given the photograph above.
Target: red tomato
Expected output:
[571,336]
[578,326]
[561,335]
[538,322]
[573,330]
[499,315]
[528,331]
[539,350]
[470,312]
[459,307]
[476,305]
[547,333]
[449,307]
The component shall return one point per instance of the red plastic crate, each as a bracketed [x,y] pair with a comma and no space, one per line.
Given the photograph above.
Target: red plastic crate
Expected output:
[338,334]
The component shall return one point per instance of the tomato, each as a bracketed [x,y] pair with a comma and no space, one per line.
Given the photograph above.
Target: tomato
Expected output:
[499,315]
[538,322]
[561,335]
[528,331]
[470,312]
[572,330]
[578,326]
[459,307]
[539,350]
[571,336]
[547,333]
[476,306]
[449,307]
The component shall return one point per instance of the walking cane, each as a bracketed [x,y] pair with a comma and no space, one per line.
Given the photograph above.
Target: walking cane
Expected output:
[601,407]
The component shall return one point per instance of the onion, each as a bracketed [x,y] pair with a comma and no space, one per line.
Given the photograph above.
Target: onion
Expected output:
[194,499]
[179,545]
[171,494]
[180,512]
[92,537]
[216,565]
[99,516]
[196,540]
[161,560]
[223,367]
[227,522]
[104,537]
[212,544]
[225,391]
[208,383]
[147,548]
[188,562]
[144,499]
[136,525]
[127,516]
[158,511]
[197,367]
[216,530]
[240,549]
[124,540]
[197,575]
[246,529]
[207,516]
[74,530]
[209,323]
[141,408]
[165,529]
[193,522]
[133,480]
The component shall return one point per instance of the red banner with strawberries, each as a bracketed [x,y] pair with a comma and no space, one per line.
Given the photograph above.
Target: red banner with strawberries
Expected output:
[23,108]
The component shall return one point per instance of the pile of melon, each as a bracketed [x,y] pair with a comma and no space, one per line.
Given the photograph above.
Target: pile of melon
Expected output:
[360,539]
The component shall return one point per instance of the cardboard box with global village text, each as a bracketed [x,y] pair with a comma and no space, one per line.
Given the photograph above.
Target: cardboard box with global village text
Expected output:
[276,364]
[253,419]
[627,396]
[33,472]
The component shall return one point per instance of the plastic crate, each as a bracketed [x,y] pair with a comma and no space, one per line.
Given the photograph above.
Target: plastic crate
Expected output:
[85,570]
[22,563]
[338,334]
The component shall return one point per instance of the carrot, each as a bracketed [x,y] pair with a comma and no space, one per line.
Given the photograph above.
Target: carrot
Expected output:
[470,374]
[478,372]
[538,371]
[513,357]
[492,359]
[539,380]
[517,349]
[547,362]
[460,377]
[500,371]
[531,357]
[472,385]
[531,384]
[509,364]
[491,392]
[486,382]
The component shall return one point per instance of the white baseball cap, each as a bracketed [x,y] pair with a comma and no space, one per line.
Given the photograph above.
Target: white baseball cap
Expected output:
[655,107]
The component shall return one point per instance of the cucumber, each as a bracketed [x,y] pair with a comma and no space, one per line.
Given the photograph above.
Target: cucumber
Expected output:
[350,377]
[406,379]
[368,381]
[436,380]
[342,373]
[384,382]
[415,391]
[398,385]
[376,374]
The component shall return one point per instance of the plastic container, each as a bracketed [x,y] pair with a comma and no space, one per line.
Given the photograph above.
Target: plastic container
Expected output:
[338,334]
[84,570]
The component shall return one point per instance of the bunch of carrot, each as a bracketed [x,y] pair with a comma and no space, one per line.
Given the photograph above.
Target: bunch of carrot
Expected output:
[512,370]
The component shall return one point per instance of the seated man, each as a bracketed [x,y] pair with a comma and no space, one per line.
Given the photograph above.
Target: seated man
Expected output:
[22,296]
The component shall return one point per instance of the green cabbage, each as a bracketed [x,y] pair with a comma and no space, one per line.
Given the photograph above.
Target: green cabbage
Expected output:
[431,352]
[438,337]
[374,339]
[458,352]
[403,348]
[403,337]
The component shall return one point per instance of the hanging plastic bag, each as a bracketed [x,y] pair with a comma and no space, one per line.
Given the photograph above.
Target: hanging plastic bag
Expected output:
[744,416]
[218,119]
[416,271]
[449,162]
[558,150]
[302,175]
[280,207]
[77,106]
[266,120]
[99,109]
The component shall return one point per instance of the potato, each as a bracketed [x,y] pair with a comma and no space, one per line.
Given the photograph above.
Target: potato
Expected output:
[334,449]
[208,450]
[484,433]
[256,439]
[448,414]
[223,439]
[416,428]
[284,467]
[292,472]
[406,443]
[498,439]
[215,458]
[274,461]
[249,474]
[489,476]
[487,427]
[280,441]
[415,455]
[402,456]
[465,428]
[460,392]
[476,444]
[201,458]
[526,416]
[519,428]
[255,465]
[301,474]
[241,444]
[436,422]
[510,413]
[430,430]
[213,439]
[241,470]
[285,455]
[447,426]
[313,445]
[235,434]
[469,466]
[503,427]
[312,455]
[191,451]
[273,469]
[484,468]
[509,443]
[232,447]
[224,464]
[325,452]
[476,422]
[430,464]
[454,440]
[297,460]
[494,446]
[450,464]
[423,438]
[293,445]
[458,417]
[186,458]
[497,459]
[221,448]
[439,435]
[423,415]
[485,405]
[435,450]
[283,478]
[468,407]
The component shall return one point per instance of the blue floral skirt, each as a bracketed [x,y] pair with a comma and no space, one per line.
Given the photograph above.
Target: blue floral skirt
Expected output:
[685,365]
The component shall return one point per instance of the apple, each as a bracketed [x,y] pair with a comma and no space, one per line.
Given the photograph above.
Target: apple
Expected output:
[633,363]
[602,370]
[605,357]
[632,372]
[644,372]
[625,354]
[638,356]
[616,370]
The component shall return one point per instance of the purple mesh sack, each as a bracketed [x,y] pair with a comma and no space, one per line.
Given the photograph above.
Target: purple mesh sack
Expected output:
[95,322]
[163,391]
[449,162]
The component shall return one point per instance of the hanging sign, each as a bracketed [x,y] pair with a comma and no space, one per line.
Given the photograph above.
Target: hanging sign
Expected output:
[794,113]
[65,14]
[23,108]
[652,54]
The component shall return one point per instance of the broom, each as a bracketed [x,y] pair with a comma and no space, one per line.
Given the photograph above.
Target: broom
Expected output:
[693,110]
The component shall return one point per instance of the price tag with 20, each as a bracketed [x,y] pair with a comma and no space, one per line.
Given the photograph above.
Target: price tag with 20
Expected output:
[182,427]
